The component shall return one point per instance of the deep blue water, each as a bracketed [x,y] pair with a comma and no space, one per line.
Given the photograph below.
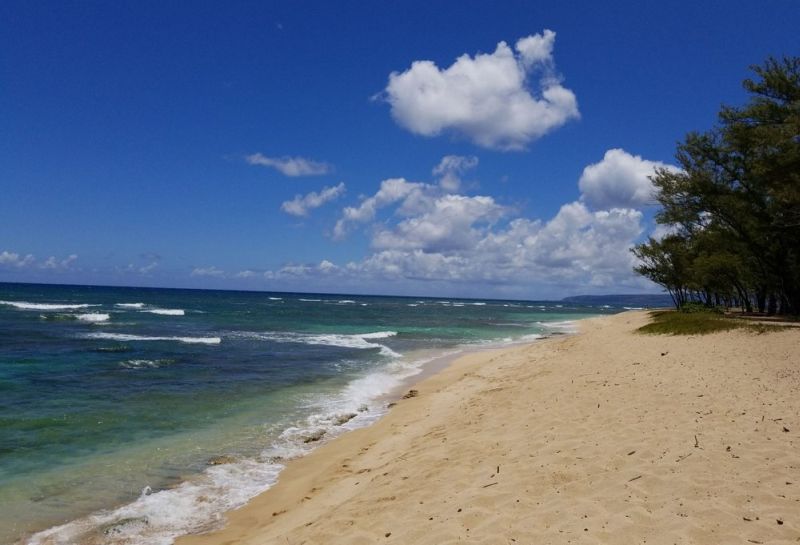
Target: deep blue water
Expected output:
[117,404]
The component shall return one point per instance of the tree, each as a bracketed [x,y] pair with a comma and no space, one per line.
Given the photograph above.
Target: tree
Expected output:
[741,181]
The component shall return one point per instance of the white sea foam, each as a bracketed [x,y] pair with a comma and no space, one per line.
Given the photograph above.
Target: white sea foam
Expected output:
[346,302]
[126,337]
[567,326]
[633,308]
[129,305]
[198,504]
[310,300]
[358,340]
[275,298]
[166,311]
[478,304]
[141,364]
[93,317]
[412,304]
[157,518]
[24,305]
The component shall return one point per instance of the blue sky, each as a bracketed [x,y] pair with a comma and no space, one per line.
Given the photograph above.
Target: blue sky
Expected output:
[266,145]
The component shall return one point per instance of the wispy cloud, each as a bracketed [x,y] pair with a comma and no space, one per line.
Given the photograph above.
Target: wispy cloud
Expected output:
[13,259]
[28,261]
[301,204]
[450,169]
[208,271]
[291,166]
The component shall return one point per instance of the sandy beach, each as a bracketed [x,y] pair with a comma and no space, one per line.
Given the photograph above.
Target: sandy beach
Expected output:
[607,436]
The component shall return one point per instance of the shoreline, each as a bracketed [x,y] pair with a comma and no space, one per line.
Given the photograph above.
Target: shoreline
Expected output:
[424,363]
[501,443]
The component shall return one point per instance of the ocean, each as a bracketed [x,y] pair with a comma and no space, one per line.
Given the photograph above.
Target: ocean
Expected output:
[135,415]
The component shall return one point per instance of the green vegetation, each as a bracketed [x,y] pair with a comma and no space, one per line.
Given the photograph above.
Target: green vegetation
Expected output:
[733,208]
[669,322]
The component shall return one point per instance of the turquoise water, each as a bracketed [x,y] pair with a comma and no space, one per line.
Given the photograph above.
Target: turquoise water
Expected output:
[133,415]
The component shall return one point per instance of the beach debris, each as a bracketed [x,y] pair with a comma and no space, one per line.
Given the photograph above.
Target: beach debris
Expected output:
[696,442]
[276,513]
[631,452]
[313,436]
[340,419]
[664,353]
[486,486]
[411,393]
[682,458]
[785,429]
[390,405]
[387,534]
[363,408]
[220,460]
[635,478]
[779,521]
[747,519]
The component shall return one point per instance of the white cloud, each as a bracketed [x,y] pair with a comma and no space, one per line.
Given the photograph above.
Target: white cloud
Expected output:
[147,269]
[301,204]
[295,272]
[453,223]
[489,98]
[390,192]
[290,166]
[53,263]
[13,259]
[450,169]
[620,180]
[577,249]
[208,271]
[422,234]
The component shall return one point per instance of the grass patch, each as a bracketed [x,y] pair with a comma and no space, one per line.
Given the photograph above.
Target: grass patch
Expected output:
[668,322]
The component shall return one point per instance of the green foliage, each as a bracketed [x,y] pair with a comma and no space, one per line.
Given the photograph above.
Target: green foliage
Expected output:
[734,205]
[699,323]
[693,307]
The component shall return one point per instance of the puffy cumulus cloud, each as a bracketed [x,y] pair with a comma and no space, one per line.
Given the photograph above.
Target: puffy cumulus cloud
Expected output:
[620,179]
[301,204]
[451,222]
[290,166]
[429,233]
[391,191]
[662,231]
[502,100]
[450,169]
[212,272]
[577,249]
[13,259]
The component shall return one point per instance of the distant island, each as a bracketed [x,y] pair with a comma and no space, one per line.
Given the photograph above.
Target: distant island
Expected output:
[629,300]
